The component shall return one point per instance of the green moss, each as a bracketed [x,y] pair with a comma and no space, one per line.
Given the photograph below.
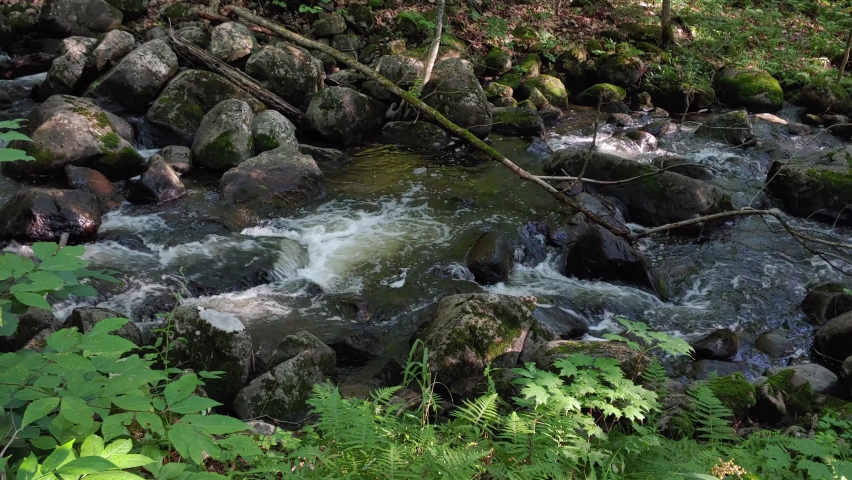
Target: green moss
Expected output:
[529,66]
[496,90]
[221,151]
[798,399]
[177,12]
[735,391]
[551,87]
[743,85]
[603,91]
[453,42]
[110,140]
[511,79]
[264,143]
[840,182]
[594,45]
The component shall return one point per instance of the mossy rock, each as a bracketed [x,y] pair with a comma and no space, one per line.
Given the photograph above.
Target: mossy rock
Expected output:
[413,25]
[676,97]
[637,32]
[496,90]
[735,391]
[594,45]
[603,92]
[511,79]
[528,67]
[751,88]
[525,34]
[550,87]
[179,12]
[798,398]
[825,98]
[451,41]
[498,61]
[627,359]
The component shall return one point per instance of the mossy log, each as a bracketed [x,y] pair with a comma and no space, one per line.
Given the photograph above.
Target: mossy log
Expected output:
[417,103]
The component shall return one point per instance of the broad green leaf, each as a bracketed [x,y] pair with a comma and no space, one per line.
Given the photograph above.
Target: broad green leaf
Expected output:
[86,465]
[44,443]
[3,462]
[8,324]
[93,446]
[151,421]
[113,425]
[181,388]
[193,404]
[62,455]
[38,409]
[114,475]
[12,124]
[65,340]
[118,447]
[39,282]
[124,461]
[135,403]
[102,343]
[80,290]
[12,136]
[44,250]
[215,424]
[48,382]
[13,155]
[32,300]
[28,469]
[171,470]
[76,410]
[190,443]
[62,263]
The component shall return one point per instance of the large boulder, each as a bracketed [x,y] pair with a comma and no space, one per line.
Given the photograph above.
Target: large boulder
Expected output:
[825,302]
[178,157]
[69,130]
[114,45]
[343,115]
[620,70]
[400,69]
[360,18]
[85,318]
[818,186]
[329,25]
[137,79]
[94,182]
[468,332]
[722,344]
[215,342]
[490,259]
[231,41]
[224,137]
[159,184]
[733,127]
[497,61]
[829,98]
[66,71]
[64,18]
[597,254]
[821,379]
[603,93]
[834,339]
[272,183]
[750,88]
[416,134]
[454,91]
[292,345]
[678,97]
[550,87]
[271,130]
[287,70]
[44,214]
[30,325]
[283,391]
[517,122]
[131,9]
[178,111]
[545,354]
[655,200]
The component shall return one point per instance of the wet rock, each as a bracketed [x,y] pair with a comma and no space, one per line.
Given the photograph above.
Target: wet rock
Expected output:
[66,72]
[601,92]
[282,392]
[343,115]
[659,199]
[704,369]
[496,90]
[416,134]
[560,324]
[137,79]
[721,344]
[661,128]
[615,107]
[775,344]
[517,122]
[159,184]
[64,18]
[272,183]
[490,259]
[676,96]
[289,71]
[400,69]
[92,181]
[770,405]
[798,129]
[224,138]
[564,233]
[732,127]
[191,94]
[550,87]
[131,9]
[270,130]
[177,157]
[621,70]
[357,348]
[69,130]
[44,214]
[834,339]
[642,102]
[635,141]
[825,98]
[30,324]
[597,254]
[468,332]
[231,41]
[454,91]
[112,48]
[325,157]
[620,120]
[750,88]
[821,379]
[497,61]
[303,341]
[329,26]
[215,342]
[825,302]
[550,115]
[546,354]
[85,318]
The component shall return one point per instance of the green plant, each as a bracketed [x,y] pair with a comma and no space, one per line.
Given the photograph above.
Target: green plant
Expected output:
[8,133]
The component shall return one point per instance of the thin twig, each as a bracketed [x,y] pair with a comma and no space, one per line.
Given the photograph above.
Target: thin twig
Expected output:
[619,182]
[594,140]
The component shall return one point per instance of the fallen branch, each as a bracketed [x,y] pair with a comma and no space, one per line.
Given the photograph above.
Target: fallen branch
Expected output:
[282,32]
[271,100]
[215,17]
[568,178]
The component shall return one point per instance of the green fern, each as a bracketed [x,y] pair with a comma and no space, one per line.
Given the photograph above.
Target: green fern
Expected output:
[708,414]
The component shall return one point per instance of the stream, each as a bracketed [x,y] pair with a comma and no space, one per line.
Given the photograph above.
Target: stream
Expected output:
[392,234]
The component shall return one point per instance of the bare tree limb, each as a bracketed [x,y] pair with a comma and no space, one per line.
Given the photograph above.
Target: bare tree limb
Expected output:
[215,17]
[845,56]
[436,45]
[578,178]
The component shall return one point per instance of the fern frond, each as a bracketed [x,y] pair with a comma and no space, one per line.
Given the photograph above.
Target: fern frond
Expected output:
[481,412]
[711,419]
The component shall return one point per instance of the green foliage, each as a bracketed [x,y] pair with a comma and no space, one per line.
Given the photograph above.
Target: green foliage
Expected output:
[8,133]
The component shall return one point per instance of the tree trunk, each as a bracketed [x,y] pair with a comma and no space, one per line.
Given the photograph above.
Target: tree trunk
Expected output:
[845,57]
[667,36]
[426,109]
[436,45]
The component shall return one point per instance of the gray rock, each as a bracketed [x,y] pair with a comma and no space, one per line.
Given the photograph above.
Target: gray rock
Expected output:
[343,115]
[224,138]
[770,405]
[360,18]
[70,130]
[64,18]
[721,344]
[504,102]
[416,134]
[270,130]
[683,166]
[137,79]
[156,33]
[704,369]
[546,354]
[274,182]
[775,344]
[821,379]
[177,157]
[215,342]
[191,94]
[84,318]
[347,78]
[834,339]
[620,70]
[231,41]
[750,88]
[497,61]
[112,48]
[400,69]
[632,142]
[372,88]
[347,43]
[356,348]
[329,26]
[560,324]
[517,122]
[325,156]
[490,259]
[66,71]
[454,91]
[732,127]
[94,182]
[30,324]
[43,215]
[468,332]
[159,184]
[130,8]
[196,36]
[289,71]
[620,119]
[300,342]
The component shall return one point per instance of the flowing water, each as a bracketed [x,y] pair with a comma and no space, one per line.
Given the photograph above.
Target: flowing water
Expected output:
[392,235]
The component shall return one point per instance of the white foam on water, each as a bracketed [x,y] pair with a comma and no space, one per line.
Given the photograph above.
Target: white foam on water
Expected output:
[139,224]
[262,301]
[340,236]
